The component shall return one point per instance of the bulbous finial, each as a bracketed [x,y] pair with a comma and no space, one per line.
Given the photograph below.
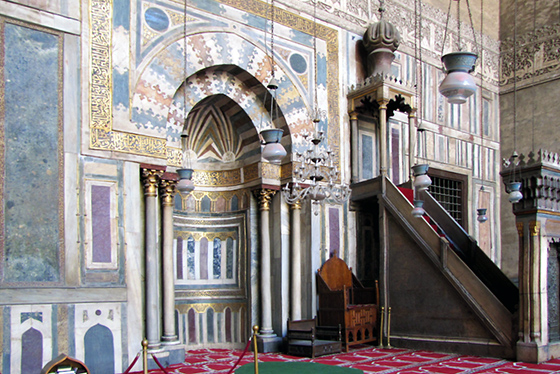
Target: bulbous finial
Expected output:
[380,40]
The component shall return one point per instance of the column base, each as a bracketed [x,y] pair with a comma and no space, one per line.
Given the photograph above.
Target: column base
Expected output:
[169,340]
[269,343]
[167,355]
[532,352]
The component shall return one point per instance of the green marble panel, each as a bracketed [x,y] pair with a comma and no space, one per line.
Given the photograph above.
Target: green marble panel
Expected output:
[32,157]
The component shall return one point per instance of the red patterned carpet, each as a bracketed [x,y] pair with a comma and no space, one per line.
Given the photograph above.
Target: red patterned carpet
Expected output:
[369,360]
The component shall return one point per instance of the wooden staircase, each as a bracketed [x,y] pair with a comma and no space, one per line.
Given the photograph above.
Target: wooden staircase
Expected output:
[489,294]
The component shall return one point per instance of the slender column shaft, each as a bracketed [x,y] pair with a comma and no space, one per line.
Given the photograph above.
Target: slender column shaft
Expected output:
[524,304]
[411,141]
[265,196]
[296,262]
[167,191]
[384,166]
[151,180]
[535,273]
[355,142]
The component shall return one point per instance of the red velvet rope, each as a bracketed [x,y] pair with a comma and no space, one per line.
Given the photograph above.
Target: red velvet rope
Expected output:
[158,364]
[133,362]
[240,357]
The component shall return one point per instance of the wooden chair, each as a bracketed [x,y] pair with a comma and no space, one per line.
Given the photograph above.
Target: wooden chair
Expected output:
[307,339]
[344,301]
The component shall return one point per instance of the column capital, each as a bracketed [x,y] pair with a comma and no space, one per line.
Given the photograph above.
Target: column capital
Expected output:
[353,115]
[167,190]
[296,205]
[151,178]
[264,196]
[383,103]
[535,228]
[519,226]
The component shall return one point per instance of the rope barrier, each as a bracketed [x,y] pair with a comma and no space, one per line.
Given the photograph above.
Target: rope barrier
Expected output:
[253,339]
[240,357]
[145,345]
[133,362]
[159,364]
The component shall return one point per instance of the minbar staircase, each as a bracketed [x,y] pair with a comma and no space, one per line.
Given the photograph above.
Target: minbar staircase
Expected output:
[444,291]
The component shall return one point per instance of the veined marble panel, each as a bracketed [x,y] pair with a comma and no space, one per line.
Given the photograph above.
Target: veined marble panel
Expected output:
[32,109]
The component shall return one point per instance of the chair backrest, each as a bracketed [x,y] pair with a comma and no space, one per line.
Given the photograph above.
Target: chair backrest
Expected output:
[336,274]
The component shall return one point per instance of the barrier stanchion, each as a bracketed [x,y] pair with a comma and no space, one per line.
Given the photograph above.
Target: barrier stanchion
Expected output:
[145,353]
[241,357]
[255,329]
[389,329]
[381,327]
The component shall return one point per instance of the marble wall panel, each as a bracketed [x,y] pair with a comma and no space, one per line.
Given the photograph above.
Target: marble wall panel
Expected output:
[32,78]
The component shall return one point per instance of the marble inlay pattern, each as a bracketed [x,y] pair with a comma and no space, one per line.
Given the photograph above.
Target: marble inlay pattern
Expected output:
[162,62]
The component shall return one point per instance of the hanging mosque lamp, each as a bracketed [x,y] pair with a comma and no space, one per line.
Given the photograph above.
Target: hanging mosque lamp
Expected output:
[458,84]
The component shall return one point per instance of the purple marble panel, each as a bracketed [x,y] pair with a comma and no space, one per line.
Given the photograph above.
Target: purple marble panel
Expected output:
[334,231]
[228,325]
[220,204]
[192,326]
[101,223]
[179,258]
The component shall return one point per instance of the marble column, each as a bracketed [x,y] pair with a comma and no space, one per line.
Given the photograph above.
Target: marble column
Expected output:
[167,193]
[383,150]
[151,179]
[411,141]
[264,196]
[296,261]
[355,177]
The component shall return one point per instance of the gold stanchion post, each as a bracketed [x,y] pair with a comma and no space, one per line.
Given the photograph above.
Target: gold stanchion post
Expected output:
[389,329]
[255,329]
[381,327]
[145,354]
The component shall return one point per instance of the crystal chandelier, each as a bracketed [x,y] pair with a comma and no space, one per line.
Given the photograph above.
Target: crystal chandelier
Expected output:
[316,175]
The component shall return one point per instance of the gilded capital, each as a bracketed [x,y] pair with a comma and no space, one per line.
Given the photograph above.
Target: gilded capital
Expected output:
[167,190]
[151,178]
[264,196]
[383,104]
[519,226]
[296,205]
[353,115]
[535,228]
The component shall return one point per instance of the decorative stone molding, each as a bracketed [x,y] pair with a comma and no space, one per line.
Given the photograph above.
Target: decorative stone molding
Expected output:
[538,57]
[540,181]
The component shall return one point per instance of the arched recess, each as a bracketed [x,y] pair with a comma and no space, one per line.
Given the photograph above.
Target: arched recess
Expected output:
[245,69]
[31,351]
[99,350]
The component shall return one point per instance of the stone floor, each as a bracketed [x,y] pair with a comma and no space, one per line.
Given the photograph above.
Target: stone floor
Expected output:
[369,360]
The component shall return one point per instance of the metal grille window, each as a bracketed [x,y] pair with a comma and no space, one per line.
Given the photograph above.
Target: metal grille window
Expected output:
[449,193]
